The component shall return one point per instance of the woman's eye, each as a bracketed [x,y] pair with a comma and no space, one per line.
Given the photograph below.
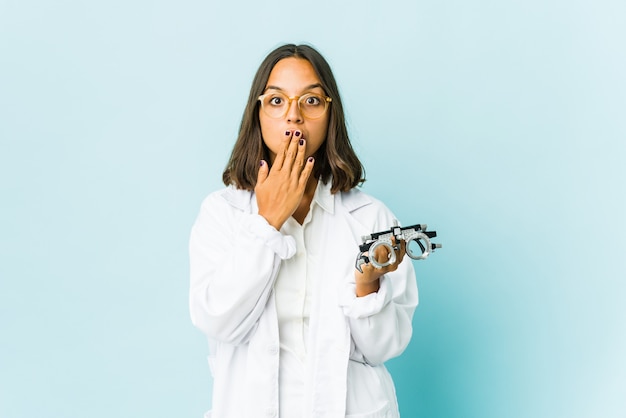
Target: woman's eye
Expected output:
[276,101]
[312,101]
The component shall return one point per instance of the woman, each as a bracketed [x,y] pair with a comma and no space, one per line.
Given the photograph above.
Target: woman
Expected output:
[294,329]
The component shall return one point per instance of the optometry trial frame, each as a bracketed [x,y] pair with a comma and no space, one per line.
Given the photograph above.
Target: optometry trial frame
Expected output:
[415,233]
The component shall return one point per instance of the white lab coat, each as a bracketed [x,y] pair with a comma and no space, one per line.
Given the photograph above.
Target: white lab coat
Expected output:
[234,260]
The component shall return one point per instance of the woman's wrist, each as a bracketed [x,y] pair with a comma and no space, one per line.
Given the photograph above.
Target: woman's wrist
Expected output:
[366,288]
[274,221]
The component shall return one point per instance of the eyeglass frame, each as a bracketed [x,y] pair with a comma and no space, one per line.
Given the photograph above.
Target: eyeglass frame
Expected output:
[327,100]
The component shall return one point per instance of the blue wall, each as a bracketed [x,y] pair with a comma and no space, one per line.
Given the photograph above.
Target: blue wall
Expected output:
[500,124]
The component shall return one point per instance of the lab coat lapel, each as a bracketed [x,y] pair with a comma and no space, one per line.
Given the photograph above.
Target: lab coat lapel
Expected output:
[330,339]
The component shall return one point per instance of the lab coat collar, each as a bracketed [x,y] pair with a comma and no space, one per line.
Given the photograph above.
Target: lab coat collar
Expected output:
[323,198]
[351,200]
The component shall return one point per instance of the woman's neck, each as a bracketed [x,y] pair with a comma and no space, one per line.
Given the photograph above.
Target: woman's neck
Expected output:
[305,204]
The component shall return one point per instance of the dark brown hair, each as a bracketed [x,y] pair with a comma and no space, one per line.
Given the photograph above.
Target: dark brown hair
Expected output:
[335,158]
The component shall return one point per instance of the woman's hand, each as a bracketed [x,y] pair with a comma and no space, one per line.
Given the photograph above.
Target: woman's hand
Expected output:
[369,281]
[279,190]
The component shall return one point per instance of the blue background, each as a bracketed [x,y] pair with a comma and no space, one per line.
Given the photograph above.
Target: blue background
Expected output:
[499,123]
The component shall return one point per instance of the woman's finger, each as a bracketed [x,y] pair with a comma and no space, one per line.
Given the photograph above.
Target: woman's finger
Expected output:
[280,157]
[299,162]
[263,172]
[306,173]
[291,150]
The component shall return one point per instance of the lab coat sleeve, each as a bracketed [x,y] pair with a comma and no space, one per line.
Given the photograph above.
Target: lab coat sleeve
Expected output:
[234,260]
[381,322]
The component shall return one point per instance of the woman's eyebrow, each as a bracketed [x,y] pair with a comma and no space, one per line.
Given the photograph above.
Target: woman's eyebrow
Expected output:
[309,87]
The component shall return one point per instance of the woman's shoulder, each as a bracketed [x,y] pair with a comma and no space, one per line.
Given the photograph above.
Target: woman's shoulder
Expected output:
[228,196]
[364,205]
[356,198]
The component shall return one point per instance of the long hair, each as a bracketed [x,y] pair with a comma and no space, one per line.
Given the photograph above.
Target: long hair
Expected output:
[335,159]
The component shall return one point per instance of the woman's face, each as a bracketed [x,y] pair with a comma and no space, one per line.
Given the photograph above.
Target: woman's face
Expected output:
[293,77]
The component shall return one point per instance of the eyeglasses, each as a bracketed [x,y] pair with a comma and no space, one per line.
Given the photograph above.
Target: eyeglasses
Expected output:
[311,105]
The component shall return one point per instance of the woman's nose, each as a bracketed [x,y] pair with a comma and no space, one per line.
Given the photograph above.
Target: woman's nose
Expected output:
[293,112]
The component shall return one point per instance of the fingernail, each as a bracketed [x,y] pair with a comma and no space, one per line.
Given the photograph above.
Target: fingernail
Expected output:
[287,133]
[262,162]
[310,159]
[302,142]
[297,133]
